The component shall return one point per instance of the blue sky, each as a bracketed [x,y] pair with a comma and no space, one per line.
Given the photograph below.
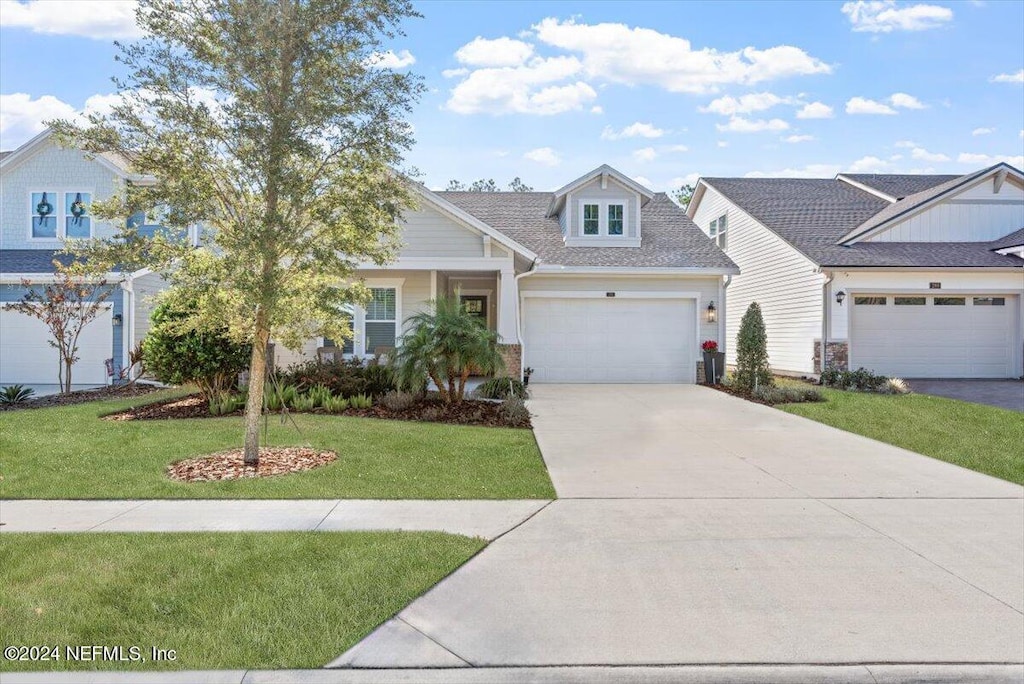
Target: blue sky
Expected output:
[662,91]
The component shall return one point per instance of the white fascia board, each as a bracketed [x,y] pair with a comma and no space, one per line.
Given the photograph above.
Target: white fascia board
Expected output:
[591,175]
[468,219]
[698,194]
[866,188]
[26,150]
[1012,251]
[554,269]
[112,278]
[918,269]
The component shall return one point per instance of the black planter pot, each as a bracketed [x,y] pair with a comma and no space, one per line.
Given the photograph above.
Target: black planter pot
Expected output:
[714,367]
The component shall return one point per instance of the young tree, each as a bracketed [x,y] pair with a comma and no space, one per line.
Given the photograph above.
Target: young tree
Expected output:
[517,185]
[274,125]
[752,369]
[484,185]
[65,307]
[456,186]
[683,195]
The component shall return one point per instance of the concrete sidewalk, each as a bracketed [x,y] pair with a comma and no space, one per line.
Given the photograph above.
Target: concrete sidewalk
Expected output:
[479,518]
[696,674]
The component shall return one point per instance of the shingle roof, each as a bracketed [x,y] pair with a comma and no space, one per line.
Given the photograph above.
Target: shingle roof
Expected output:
[669,239]
[812,215]
[1014,239]
[898,185]
[30,260]
[4,153]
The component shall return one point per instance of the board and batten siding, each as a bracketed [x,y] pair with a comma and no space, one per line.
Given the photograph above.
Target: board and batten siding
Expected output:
[706,286]
[776,276]
[51,169]
[614,192]
[427,232]
[976,214]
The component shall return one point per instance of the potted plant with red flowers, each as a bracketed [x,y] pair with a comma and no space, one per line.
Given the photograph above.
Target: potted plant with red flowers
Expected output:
[714,362]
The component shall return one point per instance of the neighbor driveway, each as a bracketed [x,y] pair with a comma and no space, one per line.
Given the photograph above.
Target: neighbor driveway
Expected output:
[1008,394]
[695,527]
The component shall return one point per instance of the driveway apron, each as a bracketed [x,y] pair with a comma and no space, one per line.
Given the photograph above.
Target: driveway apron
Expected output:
[695,528]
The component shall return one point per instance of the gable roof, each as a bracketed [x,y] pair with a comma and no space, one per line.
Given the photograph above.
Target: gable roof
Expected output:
[897,186]
[602,170]
[113,162]
[669,239]
[1014,239]
[813,214]
[920,199]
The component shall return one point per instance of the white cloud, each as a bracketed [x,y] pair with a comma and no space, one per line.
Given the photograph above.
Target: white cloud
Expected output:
[989,160]
[815,110]
[746,104]
[925,155]
[523,90]
[905,144]
[1009,78]
[738,124]
[809,171]
[21,117]
[680,181]
[97,19]
[862,105]
[906,101]
[597,109]
[454,73]
[643,180]
[617,53]
[868,165]
[499,52]
[678,148]
[722,143]
[983,131]
[391,60]
[645,154]
[798,138]
[634,130]
[544,155]
[884,16]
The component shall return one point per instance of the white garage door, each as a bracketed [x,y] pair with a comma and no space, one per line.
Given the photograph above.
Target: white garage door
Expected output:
[940,336]
[610,340]
[27,358]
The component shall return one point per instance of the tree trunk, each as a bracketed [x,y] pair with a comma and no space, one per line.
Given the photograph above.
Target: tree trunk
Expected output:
[67,376]
[257,376]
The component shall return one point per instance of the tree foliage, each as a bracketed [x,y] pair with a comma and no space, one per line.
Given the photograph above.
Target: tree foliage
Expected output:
[683,195]
[177,353]
[487,185]
[273,124]
[446,345]
[752,369]
[65,306]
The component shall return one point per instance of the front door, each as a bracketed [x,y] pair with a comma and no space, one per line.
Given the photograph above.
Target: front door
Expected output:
[475,305]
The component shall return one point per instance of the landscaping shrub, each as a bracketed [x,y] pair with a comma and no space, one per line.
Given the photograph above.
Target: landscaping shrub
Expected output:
[861,380]
[787,395]
[336,404]
[15,394]
[342,378]
[514,411]
[399,401]
[177,355]
[320,395]
[226,404]
[380,380]
[752,369]
[303,403]
[360,401]
[501,388]
[895,386]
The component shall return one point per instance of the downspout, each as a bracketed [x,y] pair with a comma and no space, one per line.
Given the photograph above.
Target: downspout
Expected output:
[722,287]
[826,316]
[128,321]
[519,316]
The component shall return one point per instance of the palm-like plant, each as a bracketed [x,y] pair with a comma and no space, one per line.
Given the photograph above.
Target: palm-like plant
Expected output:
[446,344]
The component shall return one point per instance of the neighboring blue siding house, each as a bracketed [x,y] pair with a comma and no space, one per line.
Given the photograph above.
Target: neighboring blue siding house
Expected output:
[46,193]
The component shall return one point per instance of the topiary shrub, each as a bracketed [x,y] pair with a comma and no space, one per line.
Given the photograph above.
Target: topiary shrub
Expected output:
[178,355]
[752,369]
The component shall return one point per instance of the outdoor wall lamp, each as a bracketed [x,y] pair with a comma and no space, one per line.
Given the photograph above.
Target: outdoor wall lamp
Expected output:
[712,313]
[840,296]
[117,320]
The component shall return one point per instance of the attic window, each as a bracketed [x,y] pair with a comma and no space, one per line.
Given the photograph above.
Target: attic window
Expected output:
[591,219]
[615,223]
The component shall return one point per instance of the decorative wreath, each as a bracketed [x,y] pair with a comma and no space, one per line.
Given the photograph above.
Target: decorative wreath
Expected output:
[44,208]
[78,209]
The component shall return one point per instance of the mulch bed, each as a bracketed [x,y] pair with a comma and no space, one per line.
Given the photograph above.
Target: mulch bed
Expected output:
[230,465]
[431,410]
[84,396]
[737,392]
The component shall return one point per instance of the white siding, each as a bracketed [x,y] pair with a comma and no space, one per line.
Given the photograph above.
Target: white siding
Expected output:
[50,169]
[145,288]
[706,286]
[613,192]
[976,214]
[780,279]
[427,232]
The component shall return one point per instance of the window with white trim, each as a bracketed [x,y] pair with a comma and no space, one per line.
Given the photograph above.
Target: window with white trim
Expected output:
[56,215]
[380,319]
[77,221]
[591,219]
[717,231]
[616,222]
[44,214]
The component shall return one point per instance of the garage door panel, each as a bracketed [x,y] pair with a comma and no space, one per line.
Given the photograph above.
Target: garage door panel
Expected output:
[934,341]
[597,340]
[26,356]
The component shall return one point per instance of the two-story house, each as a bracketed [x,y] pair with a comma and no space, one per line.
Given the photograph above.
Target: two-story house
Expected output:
[919,276]
[599,281]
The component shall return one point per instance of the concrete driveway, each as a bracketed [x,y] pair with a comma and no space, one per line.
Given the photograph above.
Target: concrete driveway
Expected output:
[697,528]
[1007,394]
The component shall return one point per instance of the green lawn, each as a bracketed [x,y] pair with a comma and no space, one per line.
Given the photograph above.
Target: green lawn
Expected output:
[68,453]
[982,438]
[220,600]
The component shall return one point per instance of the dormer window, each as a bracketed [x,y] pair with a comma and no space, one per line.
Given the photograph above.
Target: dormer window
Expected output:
[602,219]
[591,219]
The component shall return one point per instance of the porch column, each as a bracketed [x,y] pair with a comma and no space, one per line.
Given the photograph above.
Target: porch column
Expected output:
[508,306]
